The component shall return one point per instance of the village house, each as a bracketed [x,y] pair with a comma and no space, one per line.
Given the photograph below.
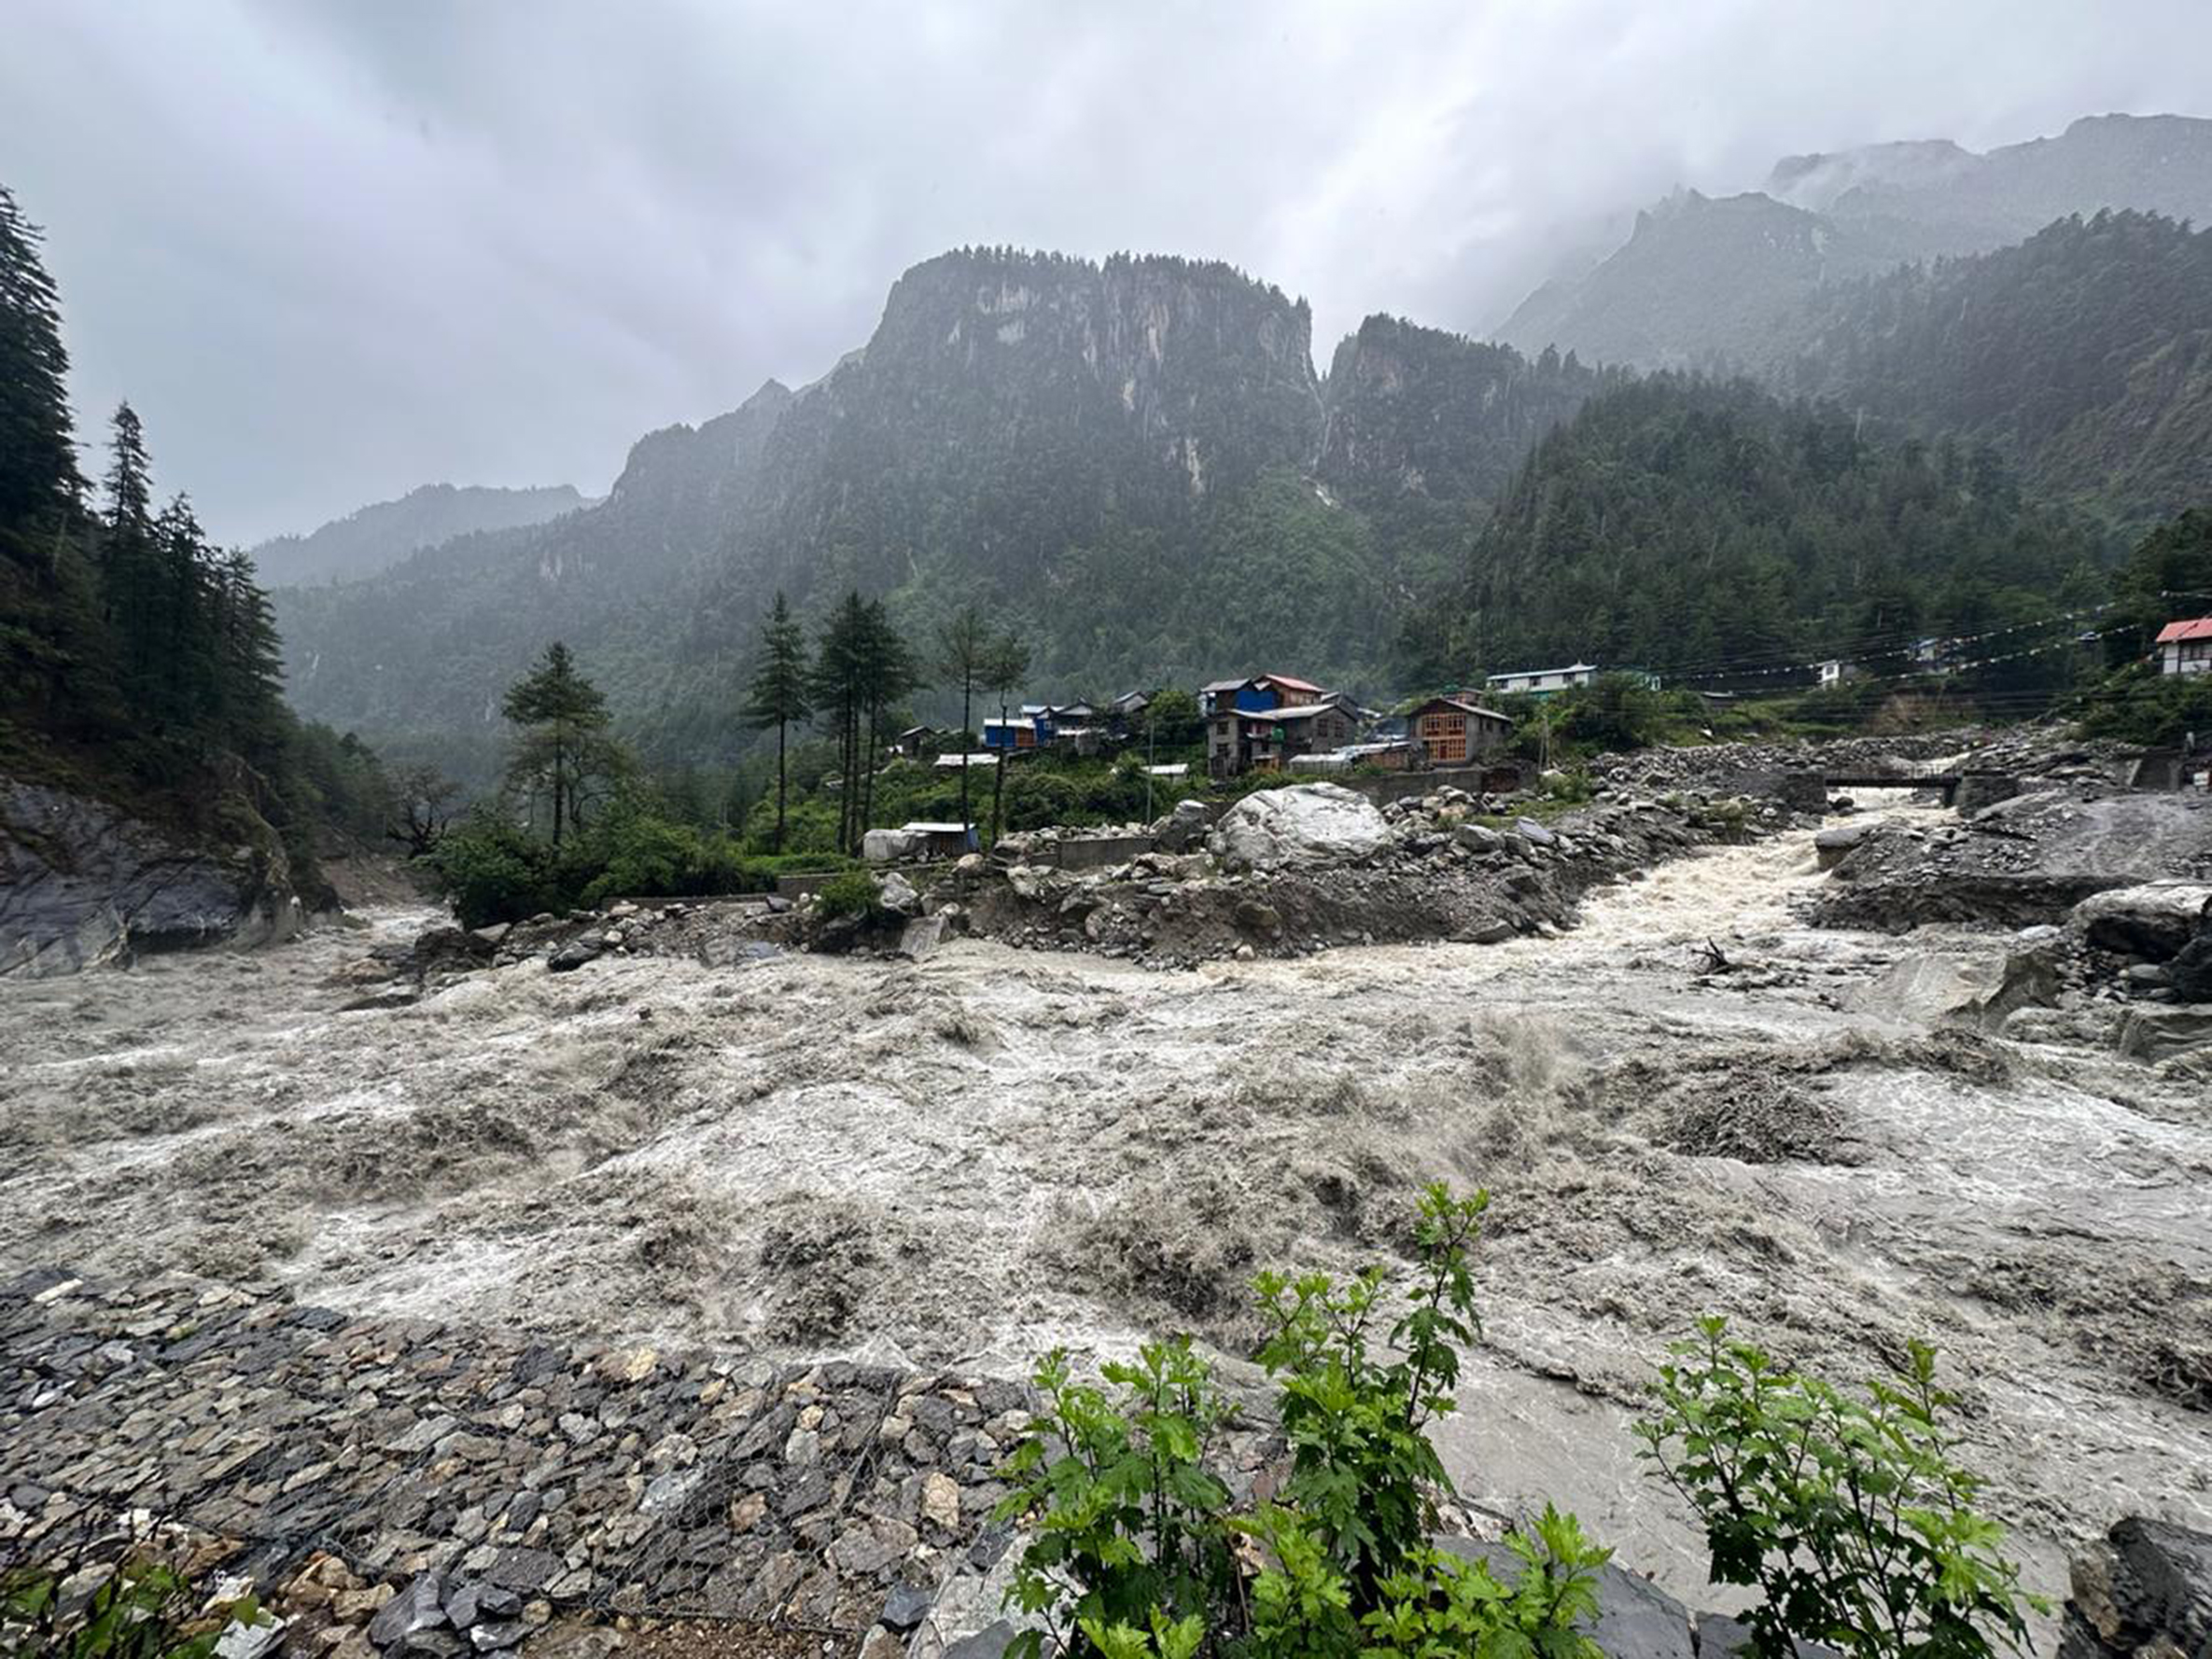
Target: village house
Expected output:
[2185,646]
[1541,682]
[1023,733]
[1245,740]
[1447,732]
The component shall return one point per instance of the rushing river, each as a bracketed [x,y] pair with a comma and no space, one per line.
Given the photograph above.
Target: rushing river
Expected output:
[1690,1102]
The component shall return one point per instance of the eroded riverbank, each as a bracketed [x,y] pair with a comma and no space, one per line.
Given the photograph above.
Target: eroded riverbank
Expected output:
[962,1161]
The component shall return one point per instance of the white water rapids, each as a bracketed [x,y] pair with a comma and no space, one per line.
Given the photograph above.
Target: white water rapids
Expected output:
[970,1159]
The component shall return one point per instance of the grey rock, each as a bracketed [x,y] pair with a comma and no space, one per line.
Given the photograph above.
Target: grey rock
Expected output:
[498,1637]
[241,1641]
[81,882]
[905,1607]
[991,1642]
[2145,1589]
[417,1607]
[1720,1636]
[575,953]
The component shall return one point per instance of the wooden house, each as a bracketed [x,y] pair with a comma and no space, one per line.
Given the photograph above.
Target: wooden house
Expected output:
[1447,732]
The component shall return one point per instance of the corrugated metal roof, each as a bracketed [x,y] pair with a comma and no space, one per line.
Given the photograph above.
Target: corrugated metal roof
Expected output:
[2199,628]
[1466,708]
[1296,685]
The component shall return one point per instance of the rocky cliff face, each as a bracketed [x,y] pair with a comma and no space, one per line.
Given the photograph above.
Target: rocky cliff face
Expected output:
[82,882]
[1414,412]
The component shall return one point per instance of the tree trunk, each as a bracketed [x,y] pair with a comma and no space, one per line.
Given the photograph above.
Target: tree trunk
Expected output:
[781,727]
[999,771]
[967,726]
[560,782]
[868,774]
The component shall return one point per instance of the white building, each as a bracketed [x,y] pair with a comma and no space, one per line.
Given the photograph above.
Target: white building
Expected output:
[2186,647]
[1539,680]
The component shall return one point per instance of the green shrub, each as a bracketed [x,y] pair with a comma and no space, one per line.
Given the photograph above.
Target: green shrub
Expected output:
[1849,1516]
[1134,1540]
[1441,1605]
[853,893]
[492,871]
[140,1607]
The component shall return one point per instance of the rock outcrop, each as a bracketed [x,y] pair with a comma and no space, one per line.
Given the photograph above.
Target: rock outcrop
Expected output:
[2026,861]
[84,883]
[2145,1592]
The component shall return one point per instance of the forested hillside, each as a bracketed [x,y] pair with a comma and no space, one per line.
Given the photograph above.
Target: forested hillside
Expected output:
[381,535]
[138,662]
[1691,527]
[1132,464]
[2084,354]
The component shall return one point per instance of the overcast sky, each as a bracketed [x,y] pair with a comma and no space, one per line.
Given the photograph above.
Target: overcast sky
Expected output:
[333,251]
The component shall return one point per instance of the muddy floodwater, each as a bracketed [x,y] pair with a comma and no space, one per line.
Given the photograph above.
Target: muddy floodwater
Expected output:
[972,1158]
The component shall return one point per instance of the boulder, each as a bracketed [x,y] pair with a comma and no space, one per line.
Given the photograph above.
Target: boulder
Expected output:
[414,1609]
[2160,1033]
[1182,829]
[1303,825]
[2145,1590]
[1838,842]
[2152,921]
[587,947]
[898,894]
[882,846]
[82,882]
[921,937]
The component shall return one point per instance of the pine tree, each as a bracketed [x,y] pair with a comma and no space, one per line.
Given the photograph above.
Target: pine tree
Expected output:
[38,478]
[563,717]
[1004,668]
[780,694]
[963,645]
[131,568]
[840,667]
[888,671]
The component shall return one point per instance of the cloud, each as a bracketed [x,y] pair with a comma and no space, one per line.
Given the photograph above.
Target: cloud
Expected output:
[333,251]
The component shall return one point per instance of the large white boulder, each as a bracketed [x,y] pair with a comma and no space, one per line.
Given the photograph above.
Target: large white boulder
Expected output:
[1309,824]
[2154,920]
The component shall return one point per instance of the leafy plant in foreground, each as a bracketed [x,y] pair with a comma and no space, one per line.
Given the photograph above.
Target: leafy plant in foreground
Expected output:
[1357,1406]
[1848,1514]
[141,1609]
[1131,1544]
[1441,1605]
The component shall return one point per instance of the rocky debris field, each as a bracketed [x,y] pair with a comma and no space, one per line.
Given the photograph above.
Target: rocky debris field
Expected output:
[1290,872]
[421,1491]
[424,1489]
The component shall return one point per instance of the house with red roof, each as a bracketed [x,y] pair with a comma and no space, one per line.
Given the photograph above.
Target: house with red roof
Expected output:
[2185,646]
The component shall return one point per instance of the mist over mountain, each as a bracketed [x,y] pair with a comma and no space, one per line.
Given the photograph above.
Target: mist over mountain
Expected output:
[1133,461]
[1704,280]
[381,535]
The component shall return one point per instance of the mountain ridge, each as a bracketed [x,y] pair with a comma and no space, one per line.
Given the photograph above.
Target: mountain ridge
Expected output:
[374,537]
